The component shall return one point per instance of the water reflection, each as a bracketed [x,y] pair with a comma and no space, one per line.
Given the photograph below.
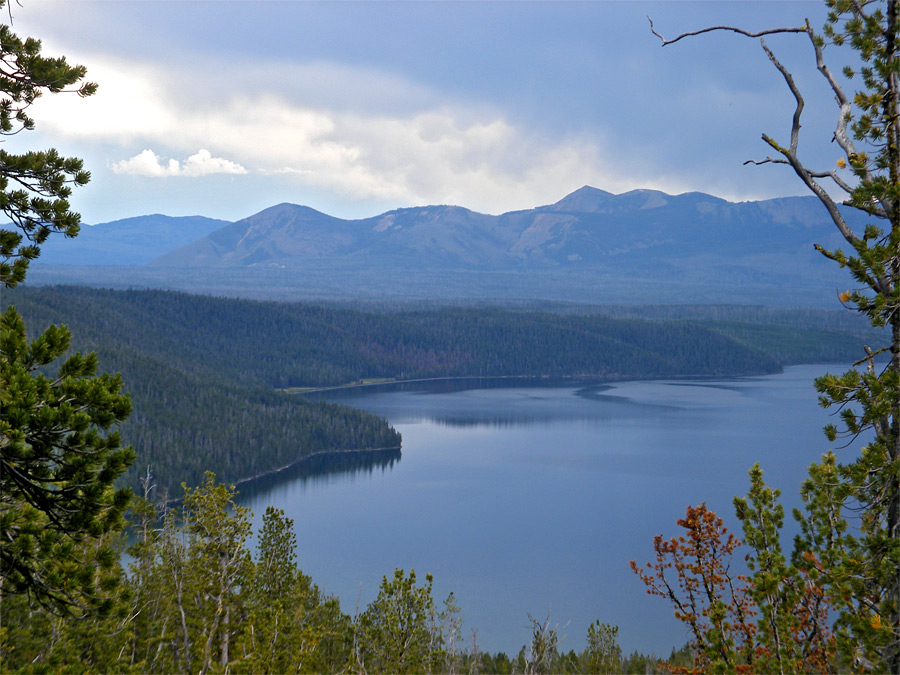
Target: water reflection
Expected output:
[503,403]
[534,497]
[447,385]
[322,469]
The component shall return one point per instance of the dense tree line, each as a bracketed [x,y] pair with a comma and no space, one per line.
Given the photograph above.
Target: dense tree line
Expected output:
[197,599]
[203,372]
[281,345]
[192,409]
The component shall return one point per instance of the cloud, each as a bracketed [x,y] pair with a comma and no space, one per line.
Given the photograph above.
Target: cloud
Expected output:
[149,164]
[204,164]
[426,152]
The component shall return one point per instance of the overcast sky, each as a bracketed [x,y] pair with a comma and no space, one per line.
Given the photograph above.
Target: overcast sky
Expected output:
[354,108]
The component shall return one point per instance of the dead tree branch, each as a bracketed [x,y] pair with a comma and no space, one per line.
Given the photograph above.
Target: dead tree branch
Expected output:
[733,29]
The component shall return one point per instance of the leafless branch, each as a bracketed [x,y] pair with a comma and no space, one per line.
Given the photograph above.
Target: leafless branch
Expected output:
[840,182]
[790,154]
[733,29]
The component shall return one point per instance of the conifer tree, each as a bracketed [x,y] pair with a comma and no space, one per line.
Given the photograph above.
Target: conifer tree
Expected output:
[34,186]
[851,524]
[58,460]
[59,454]
[603,654]
[281,627]
[397,632]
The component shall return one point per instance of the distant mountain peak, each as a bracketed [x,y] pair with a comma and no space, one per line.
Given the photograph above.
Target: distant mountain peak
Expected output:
[645,199]
[589,191]
[286,208]
[585,199]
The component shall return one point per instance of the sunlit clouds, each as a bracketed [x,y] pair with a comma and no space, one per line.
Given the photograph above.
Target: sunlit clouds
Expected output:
[225,108]
[443,154]
[147,163]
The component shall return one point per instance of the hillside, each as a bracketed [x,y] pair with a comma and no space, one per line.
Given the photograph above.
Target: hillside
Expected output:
[642,246]
[192,414]
[132,241]
[203,372]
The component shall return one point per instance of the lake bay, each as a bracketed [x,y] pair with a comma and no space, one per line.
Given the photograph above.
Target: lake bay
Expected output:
[527,499]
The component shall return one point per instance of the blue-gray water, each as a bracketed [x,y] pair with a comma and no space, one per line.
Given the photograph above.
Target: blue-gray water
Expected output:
[533,499]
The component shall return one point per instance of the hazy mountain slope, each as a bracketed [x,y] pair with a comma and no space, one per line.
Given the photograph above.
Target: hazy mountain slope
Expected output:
[592,246]
[587,230]
[132,241]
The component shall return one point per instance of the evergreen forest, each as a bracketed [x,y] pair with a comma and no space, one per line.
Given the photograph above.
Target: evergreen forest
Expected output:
[206,376]
[122,552]
[198,599]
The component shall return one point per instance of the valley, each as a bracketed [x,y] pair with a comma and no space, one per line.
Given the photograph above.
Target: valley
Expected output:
[208,376]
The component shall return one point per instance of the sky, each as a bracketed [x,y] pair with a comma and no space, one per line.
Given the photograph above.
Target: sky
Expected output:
[223,108]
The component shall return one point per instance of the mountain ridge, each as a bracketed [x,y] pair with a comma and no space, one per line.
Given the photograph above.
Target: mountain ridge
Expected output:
[587,227]
[129,241]
[590,246]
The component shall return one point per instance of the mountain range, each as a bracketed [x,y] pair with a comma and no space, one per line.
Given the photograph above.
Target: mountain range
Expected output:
[638,246]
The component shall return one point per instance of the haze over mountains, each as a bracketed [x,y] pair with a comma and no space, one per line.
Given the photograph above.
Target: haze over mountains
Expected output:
[130,241]
[589,228]
[591,246]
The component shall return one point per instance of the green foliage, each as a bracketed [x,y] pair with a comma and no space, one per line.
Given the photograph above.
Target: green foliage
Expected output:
[57,467]
[859,564]
[59,454]
[34,186]
[853,555]
[850,542]
[603,654]
[34,639]
[288,626]
[793,630]
[194,601]
[398,632]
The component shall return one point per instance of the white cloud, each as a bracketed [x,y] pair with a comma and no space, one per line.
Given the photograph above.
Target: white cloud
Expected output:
[204,164]
[148,163]
[428,153]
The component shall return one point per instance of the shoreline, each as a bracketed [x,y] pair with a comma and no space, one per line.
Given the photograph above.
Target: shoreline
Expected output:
[249,480]
[591,379]
[291,465]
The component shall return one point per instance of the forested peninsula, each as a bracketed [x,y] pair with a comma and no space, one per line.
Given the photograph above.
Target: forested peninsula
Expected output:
[206,375]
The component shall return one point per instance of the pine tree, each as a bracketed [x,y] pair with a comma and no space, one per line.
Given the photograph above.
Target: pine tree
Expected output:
[57,466]
[34,186]
[282,630]
[603,654]
[851,524]
[59,453]
[397,632]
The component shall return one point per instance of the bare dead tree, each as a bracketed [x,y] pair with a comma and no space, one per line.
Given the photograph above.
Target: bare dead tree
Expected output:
[861,566]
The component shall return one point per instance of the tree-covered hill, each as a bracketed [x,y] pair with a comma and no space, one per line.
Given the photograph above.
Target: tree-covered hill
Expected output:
[204,373]
[191,413]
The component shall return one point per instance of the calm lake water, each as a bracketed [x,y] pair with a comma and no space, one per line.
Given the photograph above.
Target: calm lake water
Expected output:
[529,499]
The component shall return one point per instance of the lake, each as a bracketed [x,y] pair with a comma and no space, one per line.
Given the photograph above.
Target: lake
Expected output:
[532,499]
